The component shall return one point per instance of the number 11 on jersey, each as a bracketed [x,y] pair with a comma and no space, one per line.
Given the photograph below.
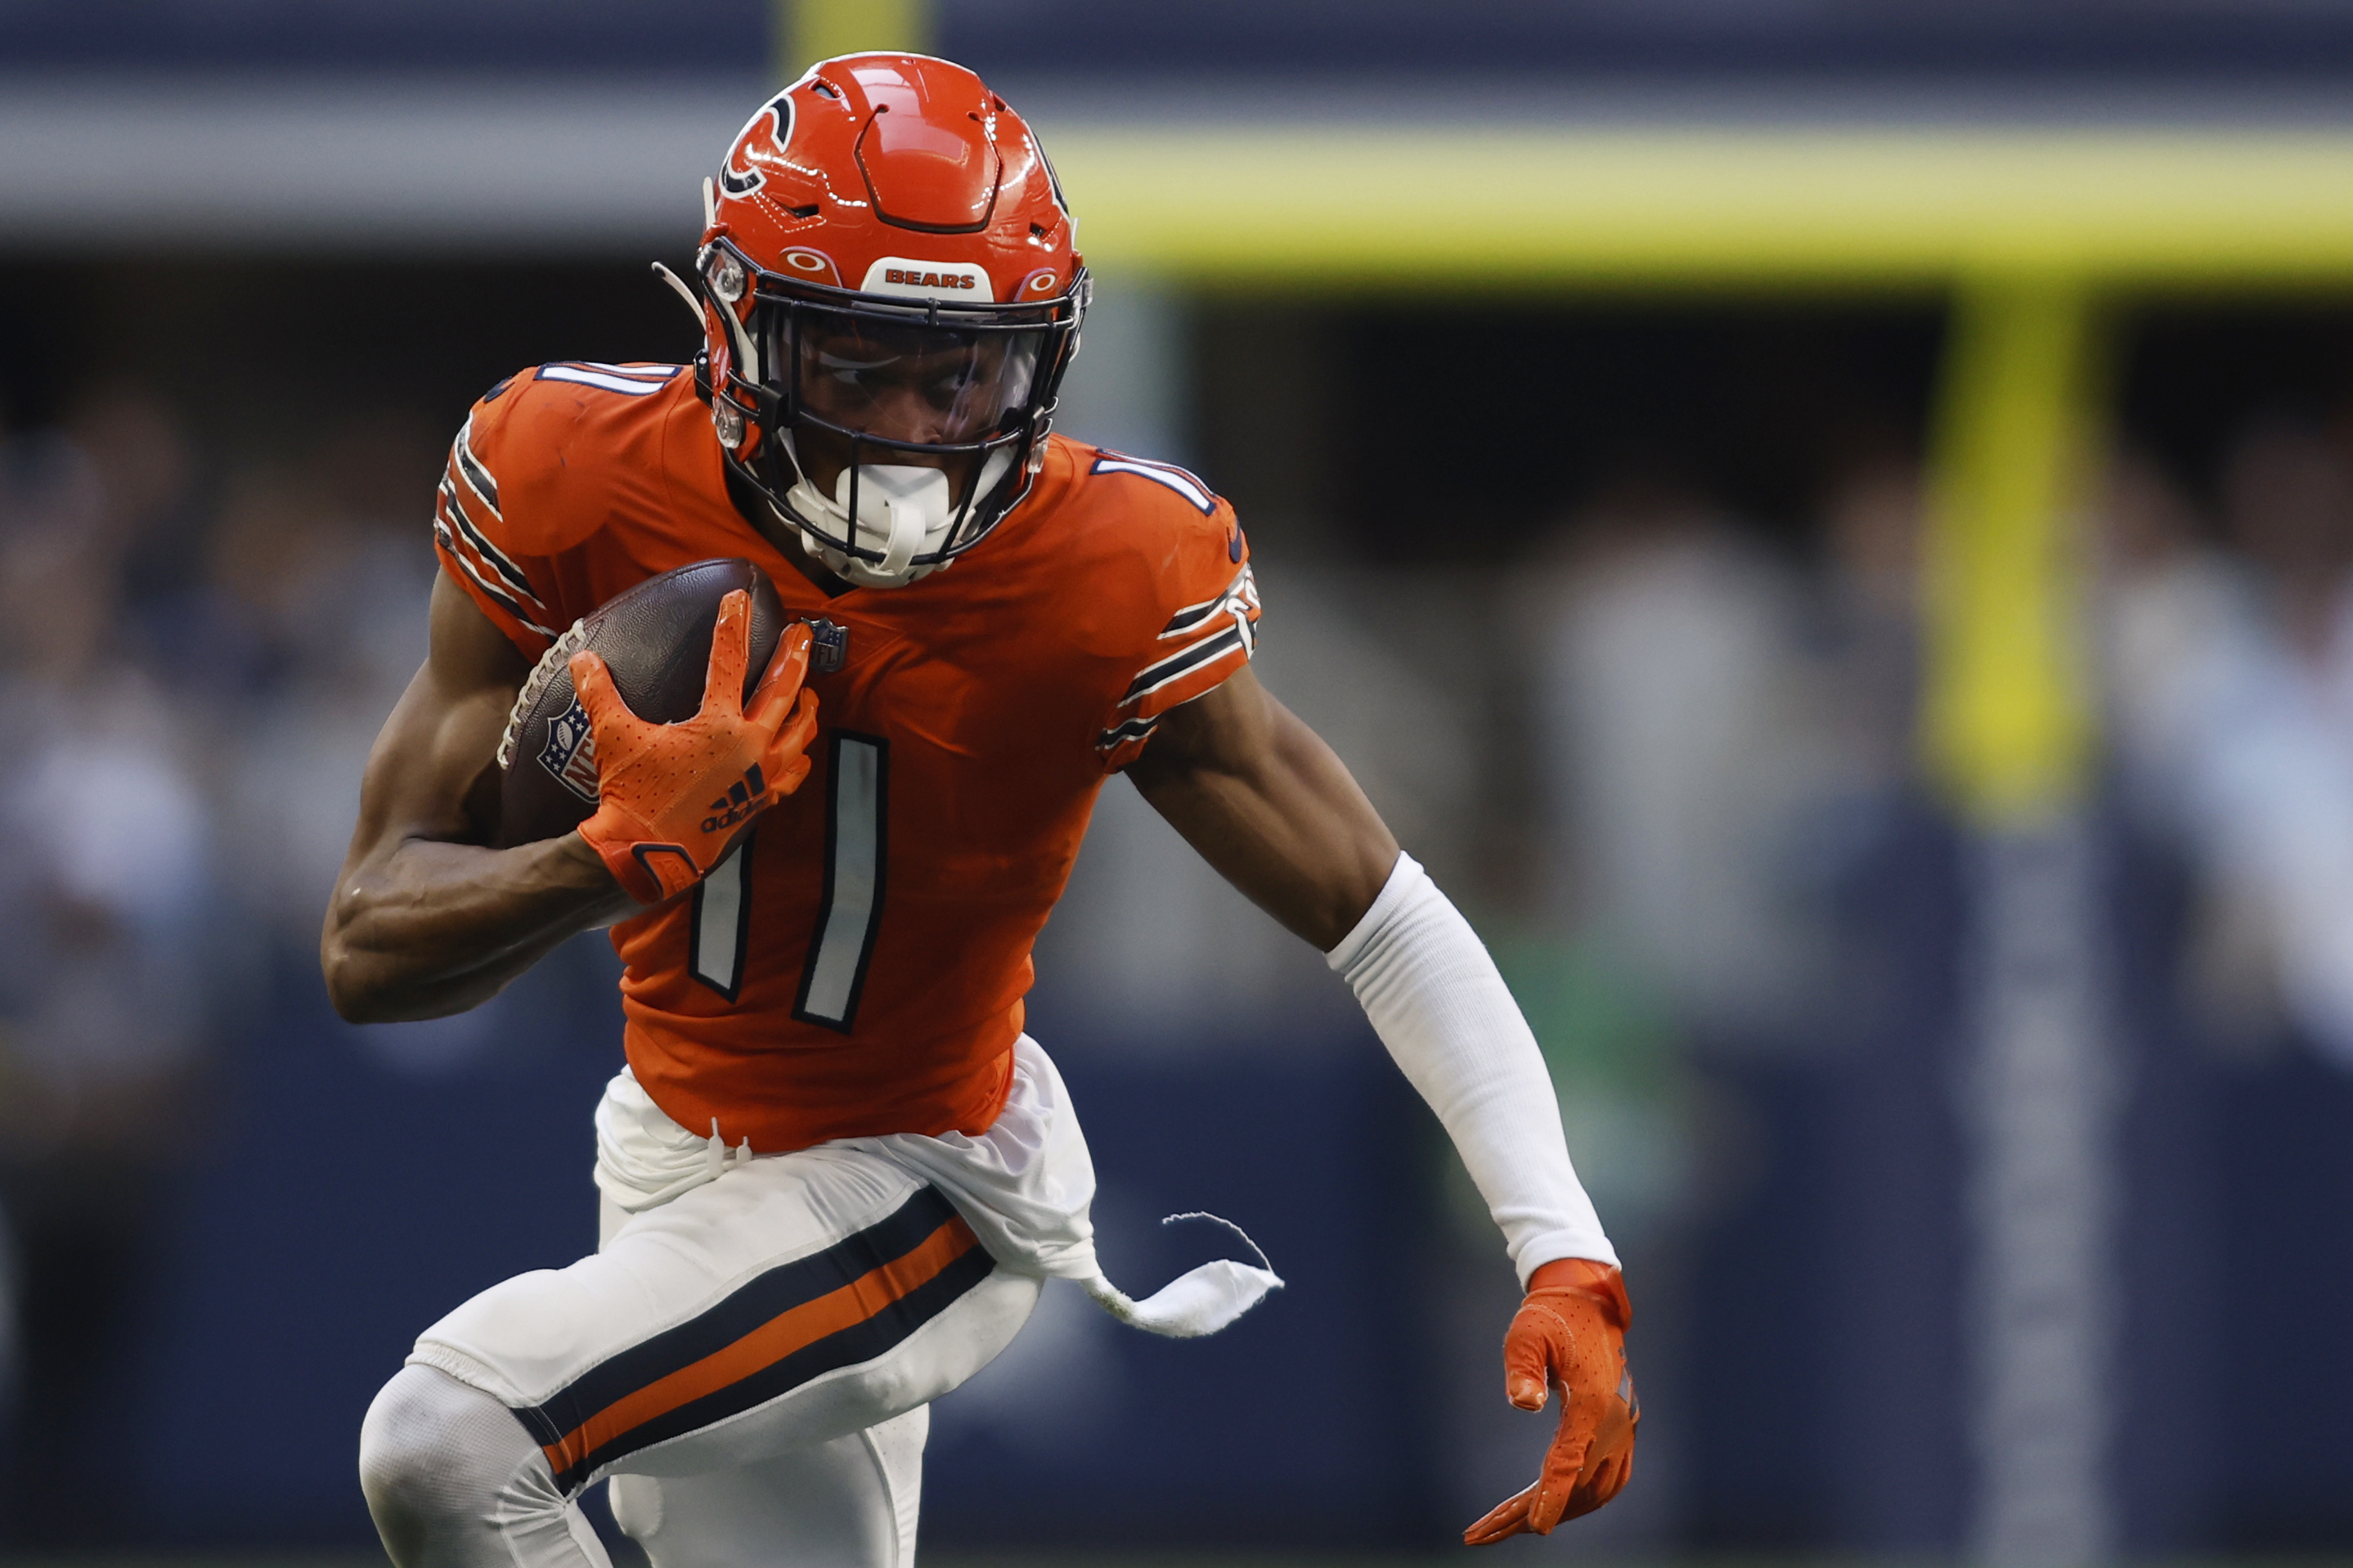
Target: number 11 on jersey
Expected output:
[723,922]
[850,913]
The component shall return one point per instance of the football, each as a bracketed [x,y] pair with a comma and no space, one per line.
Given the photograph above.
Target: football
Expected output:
[656,639]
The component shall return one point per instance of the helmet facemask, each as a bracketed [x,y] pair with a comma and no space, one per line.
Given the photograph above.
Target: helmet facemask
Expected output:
[892,434]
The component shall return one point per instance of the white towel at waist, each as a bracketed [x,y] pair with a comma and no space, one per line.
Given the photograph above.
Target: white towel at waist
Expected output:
[1026,1186]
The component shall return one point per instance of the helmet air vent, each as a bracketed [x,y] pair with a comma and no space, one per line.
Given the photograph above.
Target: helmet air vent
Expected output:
[935,175]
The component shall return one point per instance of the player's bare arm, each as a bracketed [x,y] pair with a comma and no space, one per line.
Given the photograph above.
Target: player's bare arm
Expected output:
[427,919]
[1265,802]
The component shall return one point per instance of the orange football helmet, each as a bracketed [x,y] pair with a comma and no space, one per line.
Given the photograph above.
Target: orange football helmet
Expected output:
[890,296]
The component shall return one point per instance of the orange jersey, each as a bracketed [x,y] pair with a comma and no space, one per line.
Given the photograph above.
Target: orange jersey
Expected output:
[857,966]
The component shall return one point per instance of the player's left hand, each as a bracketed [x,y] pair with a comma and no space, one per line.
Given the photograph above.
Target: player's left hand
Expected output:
[672,797]
[1569,1334]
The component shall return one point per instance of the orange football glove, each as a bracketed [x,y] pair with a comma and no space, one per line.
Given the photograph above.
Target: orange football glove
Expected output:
[671,798]
[1569,1332]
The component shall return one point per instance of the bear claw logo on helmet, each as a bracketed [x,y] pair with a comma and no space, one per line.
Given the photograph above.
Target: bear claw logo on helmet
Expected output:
[894,423]
[778,112]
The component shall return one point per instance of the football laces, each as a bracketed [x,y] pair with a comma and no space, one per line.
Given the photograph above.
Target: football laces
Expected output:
[559,658]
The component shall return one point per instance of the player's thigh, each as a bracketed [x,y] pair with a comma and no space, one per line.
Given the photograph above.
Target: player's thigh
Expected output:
[790,1301]
[847,1503]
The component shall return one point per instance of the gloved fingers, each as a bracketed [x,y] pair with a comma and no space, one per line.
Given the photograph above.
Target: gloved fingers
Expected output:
[1563,1485]
[592,683]
[1608,1460]
[787,668]
[1558,1495]
[731,656]
[788,761]
[1505,1519]
[1534,1348]
[785,759]
[1534,1511]
[1564,1463]
[1605,1483]
[790,776]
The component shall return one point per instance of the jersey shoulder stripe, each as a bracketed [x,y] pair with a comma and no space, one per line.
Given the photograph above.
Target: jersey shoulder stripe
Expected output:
[478,478]
[1203,499]
[467,485]
[630,380]
[1221,631]
[1177,666]
[540,472]
[1120,734]
[1240,596]
[465,467]
[528,613]
[451,510]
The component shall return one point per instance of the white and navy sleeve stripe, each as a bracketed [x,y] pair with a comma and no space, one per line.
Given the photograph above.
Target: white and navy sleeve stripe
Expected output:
[1166,473]
[470,468]
[630,380]
[462,539]
[1119,735]
[1240,599]
[1216,630]
[1177,666]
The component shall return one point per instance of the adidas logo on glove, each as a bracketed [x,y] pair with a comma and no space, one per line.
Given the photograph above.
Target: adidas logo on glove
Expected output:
[738,802]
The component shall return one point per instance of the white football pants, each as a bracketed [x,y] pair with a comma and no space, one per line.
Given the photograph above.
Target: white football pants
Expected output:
[750,1361]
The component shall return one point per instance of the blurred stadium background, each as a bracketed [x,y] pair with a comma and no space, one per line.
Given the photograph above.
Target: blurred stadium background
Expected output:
[1829,528]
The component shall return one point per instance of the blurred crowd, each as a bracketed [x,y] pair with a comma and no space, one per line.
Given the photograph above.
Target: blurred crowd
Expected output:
[194,659]
[1725,730]
[2229,662]
[1682,732]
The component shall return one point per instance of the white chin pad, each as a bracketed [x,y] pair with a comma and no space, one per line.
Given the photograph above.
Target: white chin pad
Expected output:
[901,508]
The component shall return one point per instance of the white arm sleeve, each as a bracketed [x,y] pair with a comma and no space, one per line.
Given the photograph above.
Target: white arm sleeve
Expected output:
[1434,997]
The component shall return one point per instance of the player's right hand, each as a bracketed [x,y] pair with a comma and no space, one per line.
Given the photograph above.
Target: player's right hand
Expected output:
[671,798]
[1569,1334]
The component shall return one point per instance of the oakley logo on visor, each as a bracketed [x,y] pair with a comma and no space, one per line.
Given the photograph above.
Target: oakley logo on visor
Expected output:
[910,280]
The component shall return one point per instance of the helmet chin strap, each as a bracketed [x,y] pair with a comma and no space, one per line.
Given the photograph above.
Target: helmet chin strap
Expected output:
[904,510]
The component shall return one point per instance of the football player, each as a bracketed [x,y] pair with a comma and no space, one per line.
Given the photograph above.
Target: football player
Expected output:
[836,1171]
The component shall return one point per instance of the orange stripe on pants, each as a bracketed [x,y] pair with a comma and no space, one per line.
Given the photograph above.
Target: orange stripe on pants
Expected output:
[769,1343]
